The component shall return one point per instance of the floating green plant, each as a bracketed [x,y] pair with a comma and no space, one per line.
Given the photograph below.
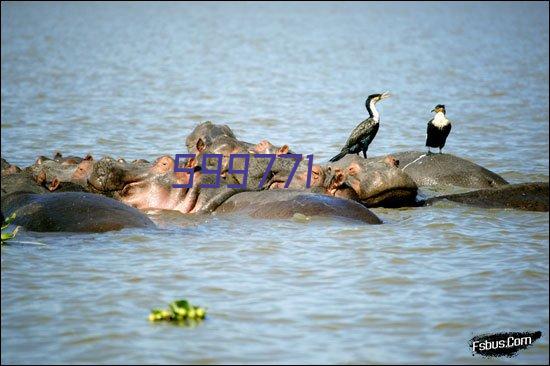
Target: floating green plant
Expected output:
[180,311]
[7,236]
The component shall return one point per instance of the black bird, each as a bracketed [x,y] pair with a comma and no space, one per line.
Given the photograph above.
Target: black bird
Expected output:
[364,133]
[439,128]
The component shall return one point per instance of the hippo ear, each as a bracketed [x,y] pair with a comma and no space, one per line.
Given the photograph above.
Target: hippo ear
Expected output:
[260,147]
[57,155]
[88,157]
[41,177]
[200,145]
[391,161]
[282,150]
[40,159]
[54,185]
[12,169]
[353,169]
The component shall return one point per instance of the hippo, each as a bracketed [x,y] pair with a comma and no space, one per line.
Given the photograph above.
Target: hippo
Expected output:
[143,186]
[71,212]
[20,181]
[211,137]
[374,182]
[204,134]
[62,174]
[523,196]
[284,204]
[8,168]
[446,170]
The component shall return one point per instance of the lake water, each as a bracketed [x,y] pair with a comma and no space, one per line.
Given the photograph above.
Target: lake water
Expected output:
[132,80]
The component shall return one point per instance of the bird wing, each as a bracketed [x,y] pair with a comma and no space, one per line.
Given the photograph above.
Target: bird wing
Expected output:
[447,128]
[363,129]
[430,132]
[431,126]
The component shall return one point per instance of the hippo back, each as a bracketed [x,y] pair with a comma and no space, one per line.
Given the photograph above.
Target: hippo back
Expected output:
[285,203]
[446,169]
[71,212]
[523,196]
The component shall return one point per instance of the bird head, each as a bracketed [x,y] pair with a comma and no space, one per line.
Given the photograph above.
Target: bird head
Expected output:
[376,98]
[439,108]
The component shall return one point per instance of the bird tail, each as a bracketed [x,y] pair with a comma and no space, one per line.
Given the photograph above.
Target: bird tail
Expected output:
[339,156]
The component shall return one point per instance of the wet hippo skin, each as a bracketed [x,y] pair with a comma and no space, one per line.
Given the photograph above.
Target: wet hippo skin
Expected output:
[71,212]
[523,196]
[283,204]
[446,169]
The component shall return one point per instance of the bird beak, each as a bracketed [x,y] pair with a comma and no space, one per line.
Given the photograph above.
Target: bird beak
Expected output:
[384,95]
[433,110]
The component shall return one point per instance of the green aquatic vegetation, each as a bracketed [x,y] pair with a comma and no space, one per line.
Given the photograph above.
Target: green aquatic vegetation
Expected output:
[7,236]
[179,311]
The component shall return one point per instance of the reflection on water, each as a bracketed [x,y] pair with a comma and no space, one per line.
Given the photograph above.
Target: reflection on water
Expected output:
[132,80]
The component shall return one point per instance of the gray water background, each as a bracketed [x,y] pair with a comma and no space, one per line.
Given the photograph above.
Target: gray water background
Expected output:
[132,80]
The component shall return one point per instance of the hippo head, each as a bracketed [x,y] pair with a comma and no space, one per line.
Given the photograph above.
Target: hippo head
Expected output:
[109,175]
[8,168]
[83,170]
[144,185]
[374,182]
[62,174]
[204,134]
[221,145]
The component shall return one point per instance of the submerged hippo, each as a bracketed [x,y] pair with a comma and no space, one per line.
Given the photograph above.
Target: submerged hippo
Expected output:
[446,169]
[284,204]
[71,212]
[8,168]
[20,181]
[62,173]
[374,181]
[523,196]
[204,134]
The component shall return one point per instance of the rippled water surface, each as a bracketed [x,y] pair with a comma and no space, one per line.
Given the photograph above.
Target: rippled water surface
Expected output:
[132,80]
